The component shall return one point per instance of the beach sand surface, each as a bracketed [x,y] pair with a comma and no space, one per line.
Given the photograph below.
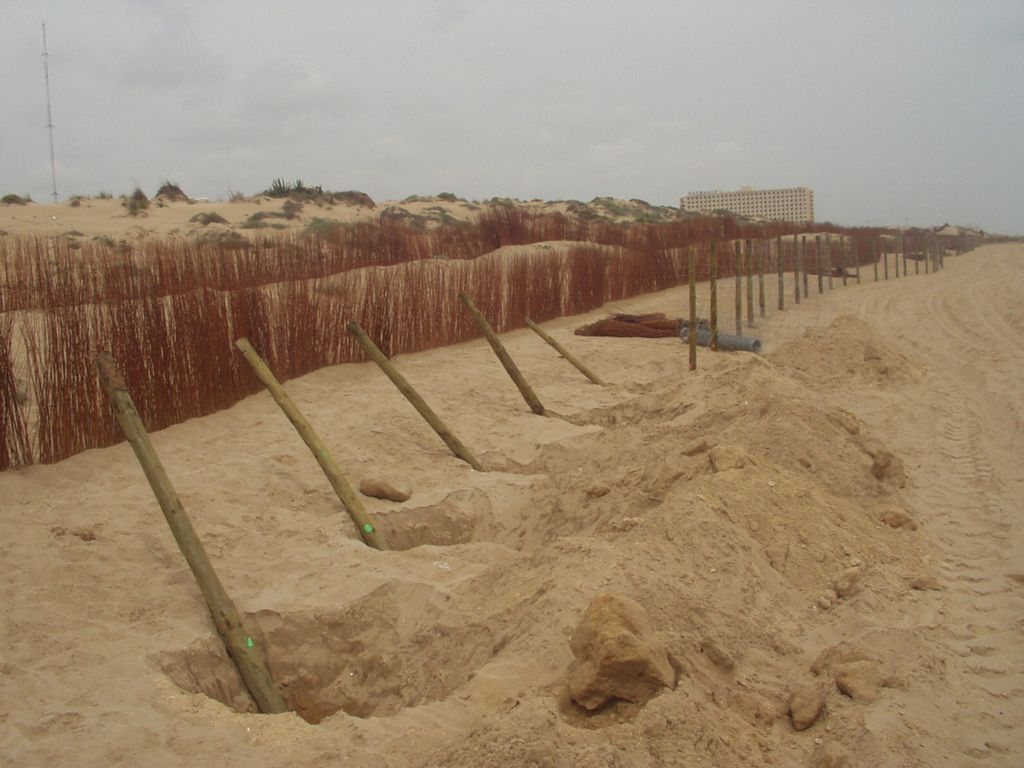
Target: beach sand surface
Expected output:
[842,514]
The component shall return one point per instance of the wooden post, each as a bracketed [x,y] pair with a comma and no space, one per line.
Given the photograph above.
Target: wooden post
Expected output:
[903,250]
[874,257]
[364,523]
[844,262]
[454,444]
[506,360]
[929,249]
[765,246]
[797,267]
[856,261]
[239,644]
[782,279]
[692,257]
[885,260]
[803,262]
[749,264]
[818,264]
[564,352]
[738,250]
[713,286]
[828,259]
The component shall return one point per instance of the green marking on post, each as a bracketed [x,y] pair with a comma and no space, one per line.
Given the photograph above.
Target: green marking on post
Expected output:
[249,642]
[368,528]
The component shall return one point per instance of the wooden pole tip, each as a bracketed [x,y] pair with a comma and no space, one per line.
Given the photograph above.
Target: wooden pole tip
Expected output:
[109,373]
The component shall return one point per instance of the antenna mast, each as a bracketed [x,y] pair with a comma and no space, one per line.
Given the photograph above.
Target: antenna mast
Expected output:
[49,117]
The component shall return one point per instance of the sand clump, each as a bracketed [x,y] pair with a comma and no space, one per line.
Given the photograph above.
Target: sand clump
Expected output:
[383,488]
[617,655]
[805,706]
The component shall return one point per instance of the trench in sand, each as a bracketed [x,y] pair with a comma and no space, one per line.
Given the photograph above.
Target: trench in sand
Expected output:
[404,645]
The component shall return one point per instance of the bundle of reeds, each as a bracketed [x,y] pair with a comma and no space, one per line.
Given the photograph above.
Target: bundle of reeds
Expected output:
[652,326]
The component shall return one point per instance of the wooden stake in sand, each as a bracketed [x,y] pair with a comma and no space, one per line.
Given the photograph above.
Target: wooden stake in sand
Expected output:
[903,251]
[454,444]
[856,260]
[818,264]
[713,287]
[739,287]
[239,644]
[828,259]
[797,268]
[885,259]
[564,352]
[779,265]
[844,262]
[874,257]
[803,262]
[750,285]
[692,258]
[506,360]
[765,247]
[365,524]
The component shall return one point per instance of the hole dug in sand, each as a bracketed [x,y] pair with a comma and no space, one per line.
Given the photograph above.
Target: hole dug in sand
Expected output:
[398,646]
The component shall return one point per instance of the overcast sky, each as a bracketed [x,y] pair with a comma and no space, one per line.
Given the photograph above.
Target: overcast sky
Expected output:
[894,112]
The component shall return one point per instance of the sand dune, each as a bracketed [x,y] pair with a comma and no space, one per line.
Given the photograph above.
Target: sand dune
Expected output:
[746,507]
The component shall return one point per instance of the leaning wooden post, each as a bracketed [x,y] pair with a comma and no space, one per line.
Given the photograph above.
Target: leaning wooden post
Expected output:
[817,263]
[365,524]
[506,360]
[782,279]
[713,286]
[564,352]
[749,263]
[454,444]
[240,645]
[692,254]
[765,246]
[738,250]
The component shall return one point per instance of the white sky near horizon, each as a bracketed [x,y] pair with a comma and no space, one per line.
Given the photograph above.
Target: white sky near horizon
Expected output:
[896,113]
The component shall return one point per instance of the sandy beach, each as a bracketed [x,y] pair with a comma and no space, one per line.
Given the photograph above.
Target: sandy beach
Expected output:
[741,505]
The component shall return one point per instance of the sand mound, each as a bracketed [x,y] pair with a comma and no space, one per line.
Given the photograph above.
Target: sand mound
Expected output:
[846,351]
[732,515]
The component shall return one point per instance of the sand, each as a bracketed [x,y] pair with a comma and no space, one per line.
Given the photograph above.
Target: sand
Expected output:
[742,506]
[99,217]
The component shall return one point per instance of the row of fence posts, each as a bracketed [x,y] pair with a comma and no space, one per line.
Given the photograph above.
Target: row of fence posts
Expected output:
[241,647]
[748,259]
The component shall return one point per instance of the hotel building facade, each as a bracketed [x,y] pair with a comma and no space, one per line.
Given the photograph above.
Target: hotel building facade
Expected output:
[791,204]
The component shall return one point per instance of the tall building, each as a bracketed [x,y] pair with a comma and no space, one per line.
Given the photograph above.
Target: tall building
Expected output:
[791,204]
